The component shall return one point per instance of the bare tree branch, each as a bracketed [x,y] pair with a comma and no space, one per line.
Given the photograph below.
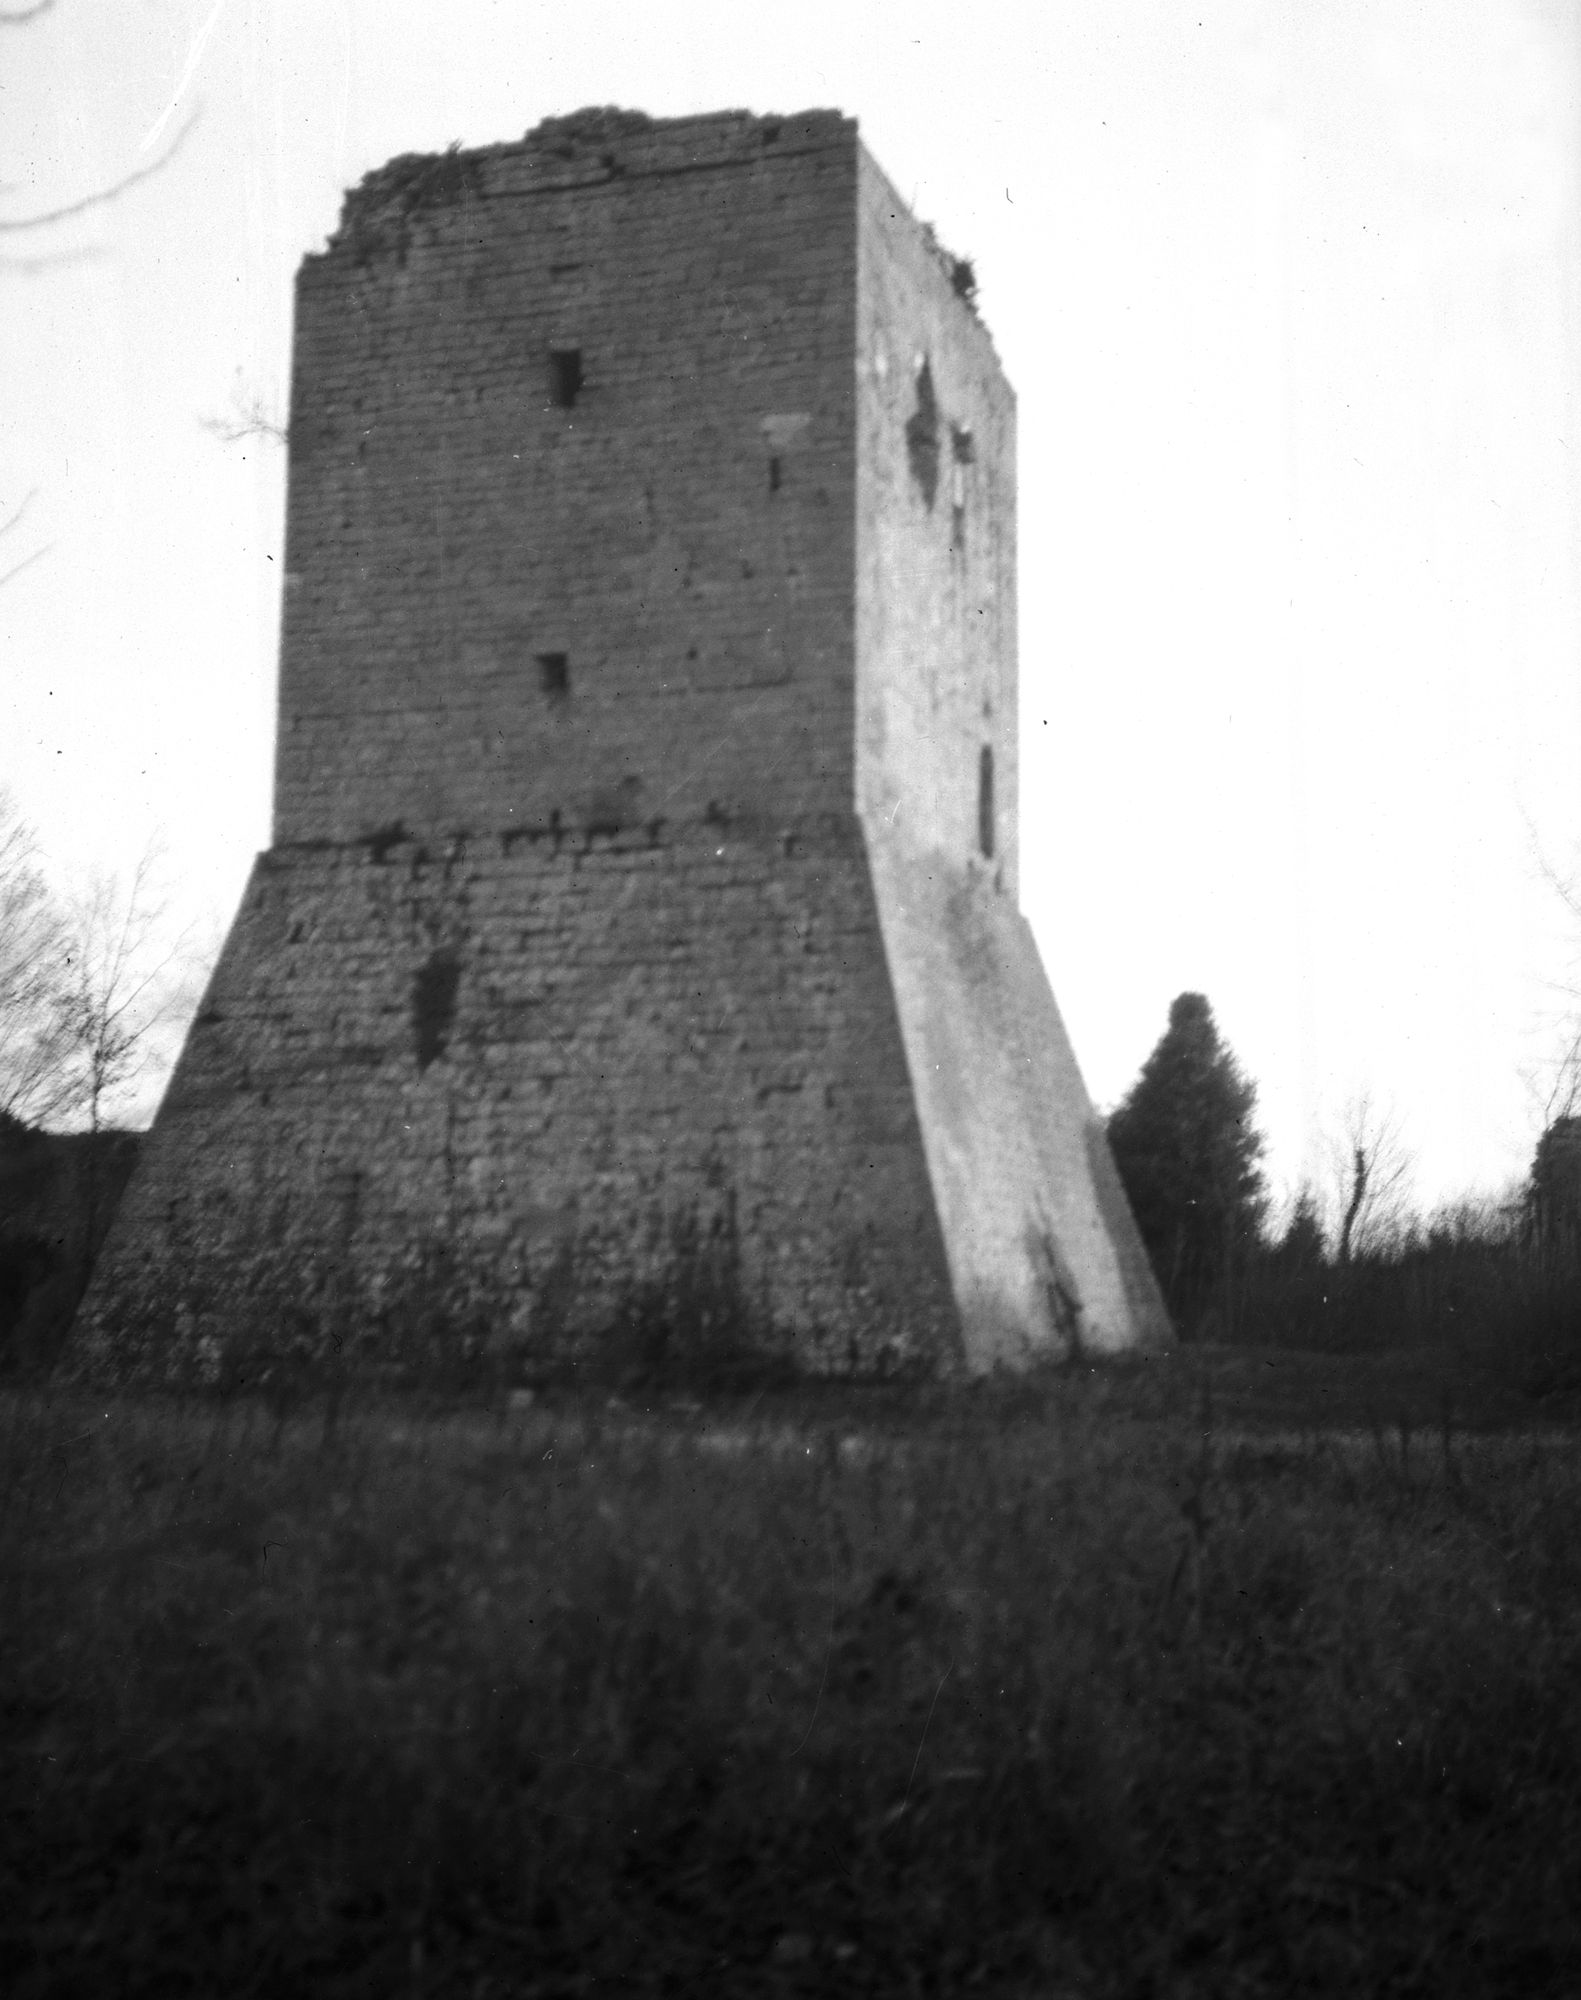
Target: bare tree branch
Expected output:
[123,986]
[1565,887]
[1562,1096]
[90,987]
[250,417]
[32,948]
[109,194]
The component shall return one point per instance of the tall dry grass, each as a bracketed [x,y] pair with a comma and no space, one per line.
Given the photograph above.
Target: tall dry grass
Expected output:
[1052,1690]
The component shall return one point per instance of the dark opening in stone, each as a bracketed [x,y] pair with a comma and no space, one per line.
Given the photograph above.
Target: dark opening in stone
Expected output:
[922,435]
[565,376]
[554,673]
[434,1004]
[985,802]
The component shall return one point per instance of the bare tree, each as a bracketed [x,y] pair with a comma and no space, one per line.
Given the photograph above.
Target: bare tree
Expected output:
[249,416]
[34,1069]
[1372,1177]
[125,983]
[1553,1189]
[1564,1096]
[90,986]
[1555,1084]
[1564,1089]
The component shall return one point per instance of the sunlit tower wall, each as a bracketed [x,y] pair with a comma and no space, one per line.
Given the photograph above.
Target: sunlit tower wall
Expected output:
[640,918]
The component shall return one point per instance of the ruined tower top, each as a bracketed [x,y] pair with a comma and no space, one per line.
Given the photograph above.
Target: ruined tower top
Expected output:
[598,143]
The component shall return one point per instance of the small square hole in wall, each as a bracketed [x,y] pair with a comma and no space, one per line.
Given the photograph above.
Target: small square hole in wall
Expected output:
[554,673]
[565,376]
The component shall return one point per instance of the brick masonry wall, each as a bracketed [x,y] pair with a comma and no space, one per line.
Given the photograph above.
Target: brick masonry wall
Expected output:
[627,1032]
[681,534]
[936,550]
[1042,1245]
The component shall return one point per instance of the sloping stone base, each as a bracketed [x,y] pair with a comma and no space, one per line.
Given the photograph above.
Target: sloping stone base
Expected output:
[495,1084]
[1043,1249]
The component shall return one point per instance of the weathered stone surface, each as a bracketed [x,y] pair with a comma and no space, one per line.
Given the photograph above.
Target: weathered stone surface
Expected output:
[643,882]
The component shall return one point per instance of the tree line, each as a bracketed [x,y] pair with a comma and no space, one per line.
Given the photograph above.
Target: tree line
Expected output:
[93,987]
[1361,1270]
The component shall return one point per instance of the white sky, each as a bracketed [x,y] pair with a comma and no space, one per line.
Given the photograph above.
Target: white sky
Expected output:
[1291,297]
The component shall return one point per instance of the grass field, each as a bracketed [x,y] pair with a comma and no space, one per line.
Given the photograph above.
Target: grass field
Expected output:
[1215,1676]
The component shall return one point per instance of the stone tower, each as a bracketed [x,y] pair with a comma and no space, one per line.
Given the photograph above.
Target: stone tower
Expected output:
[643,882]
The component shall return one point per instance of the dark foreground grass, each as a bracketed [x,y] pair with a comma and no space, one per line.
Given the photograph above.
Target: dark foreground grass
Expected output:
[1051,1694]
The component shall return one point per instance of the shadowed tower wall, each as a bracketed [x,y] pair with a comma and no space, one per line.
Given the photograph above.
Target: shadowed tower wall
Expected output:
[642,881]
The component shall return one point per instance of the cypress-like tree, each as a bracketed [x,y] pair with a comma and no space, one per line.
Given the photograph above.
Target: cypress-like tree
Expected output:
[1187,1151]
[1303,1247]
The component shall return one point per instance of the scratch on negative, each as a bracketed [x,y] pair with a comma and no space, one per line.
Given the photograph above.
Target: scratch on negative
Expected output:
[931,1707]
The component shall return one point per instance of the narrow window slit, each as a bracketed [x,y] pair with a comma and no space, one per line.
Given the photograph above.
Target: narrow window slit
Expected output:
[565,376]
[554,674]
[985,802]
[434,1004]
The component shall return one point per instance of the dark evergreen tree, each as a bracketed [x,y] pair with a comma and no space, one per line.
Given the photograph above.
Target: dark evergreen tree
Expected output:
[1554,1190]
[1187,1151]
[1304,1246]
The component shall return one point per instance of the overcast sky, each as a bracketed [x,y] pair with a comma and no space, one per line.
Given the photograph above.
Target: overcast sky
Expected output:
[1291,298]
